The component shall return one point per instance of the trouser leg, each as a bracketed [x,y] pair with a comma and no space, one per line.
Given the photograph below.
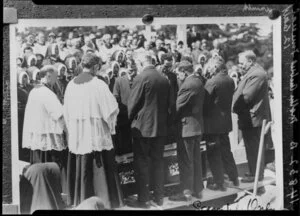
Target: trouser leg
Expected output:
[198,183]
[214,158]
[185,161]
[141,162]
[156,155]
[227,157]
[251,139]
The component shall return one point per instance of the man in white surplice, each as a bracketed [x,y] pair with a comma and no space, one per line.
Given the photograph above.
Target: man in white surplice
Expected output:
[43,121]
[90,112]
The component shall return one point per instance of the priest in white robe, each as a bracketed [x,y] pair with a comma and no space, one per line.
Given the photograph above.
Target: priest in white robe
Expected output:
[43,120]
[90,112]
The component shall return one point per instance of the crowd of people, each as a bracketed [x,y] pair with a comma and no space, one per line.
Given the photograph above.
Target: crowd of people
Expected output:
[83,99]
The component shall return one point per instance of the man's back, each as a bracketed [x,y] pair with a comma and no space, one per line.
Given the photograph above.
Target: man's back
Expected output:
[251,100]
[219,90]
[189,106]
[148,104]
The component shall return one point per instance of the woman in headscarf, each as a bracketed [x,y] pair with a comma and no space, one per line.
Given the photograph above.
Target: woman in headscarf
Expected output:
[90,111]
[61,77]
[115,68]
[119,57]
[71,64]
[40,189]
[30,60]
[33,73]
[43,121]
[19,63]
[39,60]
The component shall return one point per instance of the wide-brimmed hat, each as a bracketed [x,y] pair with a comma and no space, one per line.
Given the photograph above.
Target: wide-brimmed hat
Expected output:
[51,34]
[21,74]
[71,62]
[33,73]
[31,60]
[60,68]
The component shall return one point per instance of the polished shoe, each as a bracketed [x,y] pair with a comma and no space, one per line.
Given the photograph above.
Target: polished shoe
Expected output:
[260,191]
[210,180]
[158,202]
[139,204]
[250,179]
[216,187]
[247,174]
[197,195]
[181,197]
[236,182]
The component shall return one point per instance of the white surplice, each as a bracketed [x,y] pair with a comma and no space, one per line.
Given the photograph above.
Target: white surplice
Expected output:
[43,121]
[90,112]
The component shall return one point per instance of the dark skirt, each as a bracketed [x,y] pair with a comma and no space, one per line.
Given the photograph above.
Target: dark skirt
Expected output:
[86,177]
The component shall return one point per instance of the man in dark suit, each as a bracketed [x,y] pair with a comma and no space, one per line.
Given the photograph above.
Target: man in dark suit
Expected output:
[251,104]
[189,107]
[165,70]
[121,91]
[218,123]
[148,111]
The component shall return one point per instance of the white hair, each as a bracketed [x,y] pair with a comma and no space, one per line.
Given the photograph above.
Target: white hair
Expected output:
[248,54]
[144,58]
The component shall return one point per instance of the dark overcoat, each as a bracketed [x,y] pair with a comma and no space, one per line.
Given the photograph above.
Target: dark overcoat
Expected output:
[217,112]
[148,105]
[189,107]
[250,100]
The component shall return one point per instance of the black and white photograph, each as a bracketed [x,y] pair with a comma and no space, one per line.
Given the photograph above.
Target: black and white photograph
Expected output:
[124,114]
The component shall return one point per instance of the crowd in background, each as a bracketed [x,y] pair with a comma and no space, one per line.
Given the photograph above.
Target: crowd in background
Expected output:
[118,58]
[39,48]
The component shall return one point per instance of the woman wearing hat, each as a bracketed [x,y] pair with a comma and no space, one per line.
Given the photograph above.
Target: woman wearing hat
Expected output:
[115,68]
[39,60]
[19,63]
[33,73]
[119,57]
[53,52]
[71,65]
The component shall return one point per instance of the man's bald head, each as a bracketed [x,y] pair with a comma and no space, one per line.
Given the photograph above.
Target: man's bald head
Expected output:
[145,59]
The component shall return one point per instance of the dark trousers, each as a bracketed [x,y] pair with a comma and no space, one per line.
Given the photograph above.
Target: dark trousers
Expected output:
[123,139]
[79,178]
[38,156]
[251,138]
[24,153]
[189,161]
[227,157]
[214,157]
[148,152]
